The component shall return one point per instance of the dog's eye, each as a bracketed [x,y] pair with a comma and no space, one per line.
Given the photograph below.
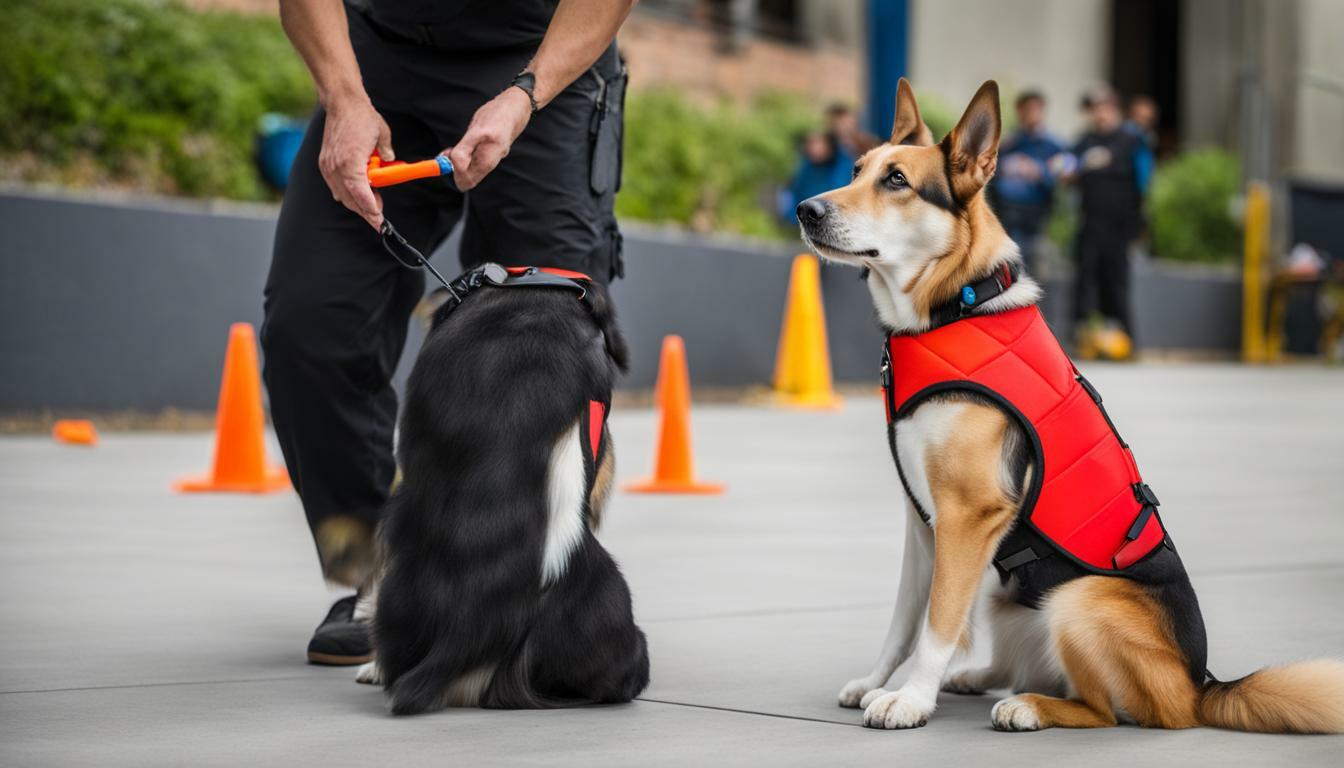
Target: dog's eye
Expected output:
[896,180]
[857,170]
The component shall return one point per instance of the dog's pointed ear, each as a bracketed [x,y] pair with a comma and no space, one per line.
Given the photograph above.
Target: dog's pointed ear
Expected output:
[973,146]
[909,127]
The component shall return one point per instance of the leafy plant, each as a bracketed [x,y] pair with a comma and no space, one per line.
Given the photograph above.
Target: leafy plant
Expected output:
[1190,207]
[146,92]
[709,167]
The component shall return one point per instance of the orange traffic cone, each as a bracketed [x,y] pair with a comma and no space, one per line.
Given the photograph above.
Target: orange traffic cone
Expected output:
[803,363]
[240,449]
[75,432]
[673,467]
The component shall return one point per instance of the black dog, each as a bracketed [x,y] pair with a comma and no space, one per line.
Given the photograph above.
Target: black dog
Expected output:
[494,591]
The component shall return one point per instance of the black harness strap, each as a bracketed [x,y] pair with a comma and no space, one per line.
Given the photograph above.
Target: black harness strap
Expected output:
[487,274]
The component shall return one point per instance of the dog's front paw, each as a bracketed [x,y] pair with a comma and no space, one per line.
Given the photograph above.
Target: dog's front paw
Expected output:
[369,674]
[967,683]
[852,695]
[898,709]
[1014,713]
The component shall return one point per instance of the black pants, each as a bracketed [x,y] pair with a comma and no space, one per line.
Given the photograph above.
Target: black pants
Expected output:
[1101,282]
[337,305]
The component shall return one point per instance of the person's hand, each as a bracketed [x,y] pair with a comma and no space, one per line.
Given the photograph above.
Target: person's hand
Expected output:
[487,140]
[354,129]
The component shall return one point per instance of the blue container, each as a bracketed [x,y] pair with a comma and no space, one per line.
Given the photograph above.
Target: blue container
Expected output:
[278,140]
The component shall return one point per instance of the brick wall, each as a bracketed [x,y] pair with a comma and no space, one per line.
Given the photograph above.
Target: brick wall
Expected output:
[695,59]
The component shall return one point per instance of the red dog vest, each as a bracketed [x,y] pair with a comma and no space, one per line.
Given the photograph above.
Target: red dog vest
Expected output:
[1086,500]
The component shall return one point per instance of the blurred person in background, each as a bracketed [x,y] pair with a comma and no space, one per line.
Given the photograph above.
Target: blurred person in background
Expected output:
[823,165]
[1022,191]
[1111,167]
[1142,119]
[843,123]
[526,95]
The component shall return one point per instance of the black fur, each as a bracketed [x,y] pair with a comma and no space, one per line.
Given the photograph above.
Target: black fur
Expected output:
[498,382]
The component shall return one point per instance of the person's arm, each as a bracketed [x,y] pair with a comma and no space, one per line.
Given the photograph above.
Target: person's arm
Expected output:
[579,32]
[317,29]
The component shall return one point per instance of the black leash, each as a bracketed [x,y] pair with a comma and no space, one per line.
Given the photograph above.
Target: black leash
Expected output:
[409,256]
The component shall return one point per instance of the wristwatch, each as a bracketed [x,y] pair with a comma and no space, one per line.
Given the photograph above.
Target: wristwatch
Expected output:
[525,81]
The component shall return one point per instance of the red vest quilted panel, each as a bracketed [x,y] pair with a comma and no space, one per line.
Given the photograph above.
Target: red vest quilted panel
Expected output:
[1087,499]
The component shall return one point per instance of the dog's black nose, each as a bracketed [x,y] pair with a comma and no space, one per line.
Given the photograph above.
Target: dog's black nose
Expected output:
[812,210]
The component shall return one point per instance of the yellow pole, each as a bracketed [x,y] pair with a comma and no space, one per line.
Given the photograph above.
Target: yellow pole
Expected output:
[1256,249]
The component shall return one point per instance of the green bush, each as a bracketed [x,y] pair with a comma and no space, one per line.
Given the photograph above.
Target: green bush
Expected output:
[709,167]
[1189,207]
[146,91]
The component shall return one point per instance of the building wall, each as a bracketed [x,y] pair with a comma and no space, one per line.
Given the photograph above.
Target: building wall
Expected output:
[1318,136]
[1057,46]
[1210,52]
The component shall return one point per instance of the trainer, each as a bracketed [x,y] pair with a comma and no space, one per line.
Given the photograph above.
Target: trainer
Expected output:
[526,97]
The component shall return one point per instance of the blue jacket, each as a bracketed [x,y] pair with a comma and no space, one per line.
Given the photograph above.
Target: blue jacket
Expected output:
[812,179]
[1013,189]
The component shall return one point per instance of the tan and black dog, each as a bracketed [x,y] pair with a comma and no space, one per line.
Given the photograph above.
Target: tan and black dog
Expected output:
[1087,649]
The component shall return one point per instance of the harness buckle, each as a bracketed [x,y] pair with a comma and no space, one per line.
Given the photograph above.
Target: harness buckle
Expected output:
[1087,386]
[1145,496]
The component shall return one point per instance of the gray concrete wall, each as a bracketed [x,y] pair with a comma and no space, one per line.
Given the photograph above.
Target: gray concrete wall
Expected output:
[113,306]
[1059,47]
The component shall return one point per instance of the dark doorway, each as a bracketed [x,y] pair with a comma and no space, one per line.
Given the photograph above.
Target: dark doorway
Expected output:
[1146,60]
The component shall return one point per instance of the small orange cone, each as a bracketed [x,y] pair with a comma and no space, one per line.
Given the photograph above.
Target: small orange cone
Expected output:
[673,467]
[75,432]
[240,449]
[803,363]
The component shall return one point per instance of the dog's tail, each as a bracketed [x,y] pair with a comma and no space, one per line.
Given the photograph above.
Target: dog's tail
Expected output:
[1307,697]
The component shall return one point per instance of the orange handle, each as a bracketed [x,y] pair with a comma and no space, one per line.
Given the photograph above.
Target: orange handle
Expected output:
[386,174]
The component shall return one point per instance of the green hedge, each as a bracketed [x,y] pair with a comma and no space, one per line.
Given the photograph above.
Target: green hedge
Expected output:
[142,92]
[150,95]
[709,167]
[1190,207]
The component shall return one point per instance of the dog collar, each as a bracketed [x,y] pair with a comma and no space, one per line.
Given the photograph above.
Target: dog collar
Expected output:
[972,295]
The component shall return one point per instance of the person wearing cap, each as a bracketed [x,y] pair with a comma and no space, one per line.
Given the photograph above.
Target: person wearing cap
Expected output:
[525,97]
[1112,168]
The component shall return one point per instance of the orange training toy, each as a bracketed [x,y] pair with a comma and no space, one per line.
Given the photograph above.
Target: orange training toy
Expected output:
[397,172]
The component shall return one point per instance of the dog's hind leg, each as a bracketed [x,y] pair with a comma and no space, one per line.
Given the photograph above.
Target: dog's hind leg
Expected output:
[911,600]
[1114,645]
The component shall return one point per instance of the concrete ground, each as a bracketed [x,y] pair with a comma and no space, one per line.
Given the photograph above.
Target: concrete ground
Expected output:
[140,627]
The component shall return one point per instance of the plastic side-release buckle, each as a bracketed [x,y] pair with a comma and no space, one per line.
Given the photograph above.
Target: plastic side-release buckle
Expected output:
[1145,496]
[1087,386]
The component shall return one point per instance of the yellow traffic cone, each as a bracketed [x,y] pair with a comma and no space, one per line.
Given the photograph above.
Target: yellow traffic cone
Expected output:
[803,363]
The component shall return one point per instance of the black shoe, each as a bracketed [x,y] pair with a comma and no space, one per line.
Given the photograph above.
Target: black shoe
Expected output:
[340,640]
